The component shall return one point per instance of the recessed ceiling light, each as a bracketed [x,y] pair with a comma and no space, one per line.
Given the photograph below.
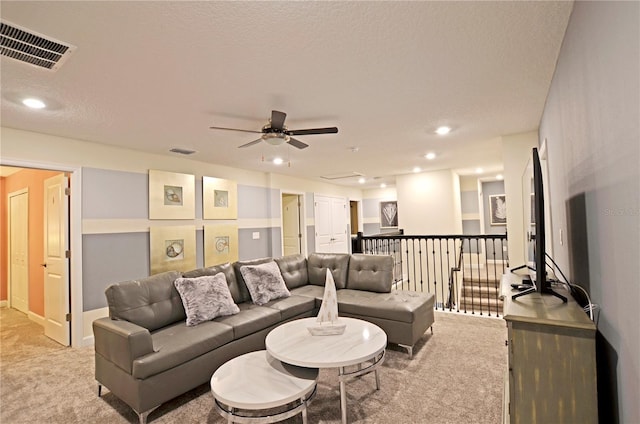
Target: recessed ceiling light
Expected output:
[417,169]
[443,130]
[430,156]
[478,170]
[278,161]
[500,177]
[362,180]
[383,185]
[33,103]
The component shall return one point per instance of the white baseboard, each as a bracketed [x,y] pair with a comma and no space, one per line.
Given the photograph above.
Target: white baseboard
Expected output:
[3,303]
[87,324]
[36,318]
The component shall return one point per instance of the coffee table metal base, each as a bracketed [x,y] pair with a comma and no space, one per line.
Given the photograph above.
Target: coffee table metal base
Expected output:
[344,375]
[252,416]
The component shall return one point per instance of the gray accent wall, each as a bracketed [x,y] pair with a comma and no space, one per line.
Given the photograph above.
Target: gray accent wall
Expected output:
[252,249]
[591,126]
[311,238]
[111,258]
[114,194]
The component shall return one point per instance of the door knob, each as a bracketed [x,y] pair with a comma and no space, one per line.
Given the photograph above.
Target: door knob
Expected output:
[43,265]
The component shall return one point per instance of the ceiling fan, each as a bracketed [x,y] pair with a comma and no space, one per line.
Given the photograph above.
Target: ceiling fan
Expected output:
[276,133]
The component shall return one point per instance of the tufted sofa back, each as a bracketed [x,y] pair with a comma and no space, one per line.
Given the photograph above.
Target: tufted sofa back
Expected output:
[370,272]
[294,270]
[338,263]
[152,302]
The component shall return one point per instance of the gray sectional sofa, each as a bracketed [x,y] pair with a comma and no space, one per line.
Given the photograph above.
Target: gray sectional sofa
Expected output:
[146,354]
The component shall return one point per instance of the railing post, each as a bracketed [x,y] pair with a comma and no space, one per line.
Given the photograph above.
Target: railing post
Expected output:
[426,264]
[357,248]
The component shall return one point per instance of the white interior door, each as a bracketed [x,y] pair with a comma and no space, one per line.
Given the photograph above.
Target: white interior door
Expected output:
[56,263]
[291,234]
[19,250]
[331,224]
[339,225]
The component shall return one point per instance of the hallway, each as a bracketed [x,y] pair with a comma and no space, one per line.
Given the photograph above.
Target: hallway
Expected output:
[22,339]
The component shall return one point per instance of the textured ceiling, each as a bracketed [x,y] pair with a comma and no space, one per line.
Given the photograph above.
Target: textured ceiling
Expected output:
[155,75]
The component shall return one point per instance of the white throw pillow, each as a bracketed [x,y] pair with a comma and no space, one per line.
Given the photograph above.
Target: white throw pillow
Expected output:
[264,282]
[205,298]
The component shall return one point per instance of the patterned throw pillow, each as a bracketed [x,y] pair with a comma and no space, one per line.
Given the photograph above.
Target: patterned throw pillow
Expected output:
[264,282]
[205,298]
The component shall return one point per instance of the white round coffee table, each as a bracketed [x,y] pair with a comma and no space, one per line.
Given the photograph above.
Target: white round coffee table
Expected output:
[362,342]
[256,382]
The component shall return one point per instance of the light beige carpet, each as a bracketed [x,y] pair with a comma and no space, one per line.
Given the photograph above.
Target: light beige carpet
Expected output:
[456,376]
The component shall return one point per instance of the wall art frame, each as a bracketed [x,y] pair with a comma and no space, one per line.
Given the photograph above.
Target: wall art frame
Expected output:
[172,248]
[389,214]
[219,198]
[220,244]
[498,209]
[171,195]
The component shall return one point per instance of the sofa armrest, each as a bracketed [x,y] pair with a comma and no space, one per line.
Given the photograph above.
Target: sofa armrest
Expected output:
[120,342]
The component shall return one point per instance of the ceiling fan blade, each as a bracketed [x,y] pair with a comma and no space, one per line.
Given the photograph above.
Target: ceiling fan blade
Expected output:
[328,130]
[297,143]
[234,129]
[277,119]
[251,143]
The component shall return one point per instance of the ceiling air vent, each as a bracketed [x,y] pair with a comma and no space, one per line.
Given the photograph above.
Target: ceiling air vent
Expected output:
[341,176]
[182,151]
[32,48]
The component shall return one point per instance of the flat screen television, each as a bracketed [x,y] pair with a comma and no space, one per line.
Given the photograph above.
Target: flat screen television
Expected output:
[535,229]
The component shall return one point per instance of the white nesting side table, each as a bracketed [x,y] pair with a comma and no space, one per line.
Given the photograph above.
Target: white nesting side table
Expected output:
[361,343]
[247,386]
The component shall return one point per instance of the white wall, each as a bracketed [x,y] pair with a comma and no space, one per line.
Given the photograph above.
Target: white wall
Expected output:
[516,152]
[429,203]
[591,123]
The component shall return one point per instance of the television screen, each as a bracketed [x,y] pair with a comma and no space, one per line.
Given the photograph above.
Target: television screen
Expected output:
[528,215]
[534,225]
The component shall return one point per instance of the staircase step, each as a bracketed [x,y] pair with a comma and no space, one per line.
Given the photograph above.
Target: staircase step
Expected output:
[475,290]
[481,278]
[487,306]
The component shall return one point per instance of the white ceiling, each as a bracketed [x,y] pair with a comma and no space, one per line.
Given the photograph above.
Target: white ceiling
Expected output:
[155,75]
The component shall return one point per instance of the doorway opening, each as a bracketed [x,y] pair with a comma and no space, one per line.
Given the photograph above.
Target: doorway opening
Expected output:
[36,280]
[353,213]
[292,234]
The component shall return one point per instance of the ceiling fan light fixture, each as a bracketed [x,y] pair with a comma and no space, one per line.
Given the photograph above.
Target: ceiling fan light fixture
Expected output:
[275,139]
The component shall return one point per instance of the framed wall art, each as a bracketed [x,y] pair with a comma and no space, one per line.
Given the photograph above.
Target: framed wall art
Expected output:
[172,248]
[498,209]
[389,214]
[171,195]
[220,244]
[219,198]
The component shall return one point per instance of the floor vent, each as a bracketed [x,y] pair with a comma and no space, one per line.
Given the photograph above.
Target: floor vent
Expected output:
[32,48]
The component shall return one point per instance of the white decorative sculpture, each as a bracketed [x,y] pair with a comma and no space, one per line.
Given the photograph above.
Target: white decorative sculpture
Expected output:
[327,322]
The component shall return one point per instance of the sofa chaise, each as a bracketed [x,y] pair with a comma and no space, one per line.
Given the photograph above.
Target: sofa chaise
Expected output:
[148,351]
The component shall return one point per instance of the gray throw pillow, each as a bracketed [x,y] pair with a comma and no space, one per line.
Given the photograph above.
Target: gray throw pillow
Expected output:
[264,282]
[205,298]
